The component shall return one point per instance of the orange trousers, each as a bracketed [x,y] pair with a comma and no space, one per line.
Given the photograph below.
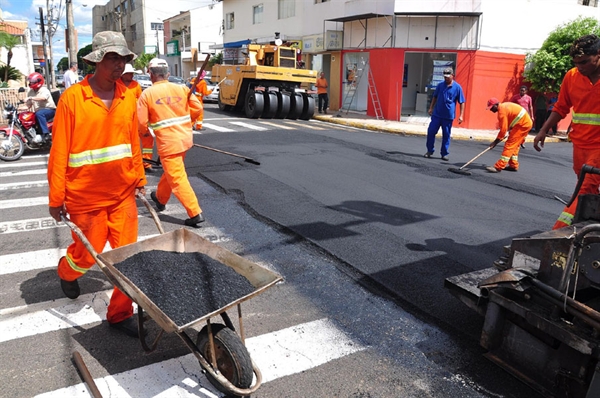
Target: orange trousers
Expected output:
[147,148]
[200,117]
[510,153]
[590,185]
[119,226]
[175,180]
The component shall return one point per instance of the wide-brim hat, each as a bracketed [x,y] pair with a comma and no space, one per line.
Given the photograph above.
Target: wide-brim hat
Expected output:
[108,42]
[129,69]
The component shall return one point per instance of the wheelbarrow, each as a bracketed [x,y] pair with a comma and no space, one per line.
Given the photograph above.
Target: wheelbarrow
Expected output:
[219,348]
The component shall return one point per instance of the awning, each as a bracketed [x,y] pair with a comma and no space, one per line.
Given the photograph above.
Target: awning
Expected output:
[236,44]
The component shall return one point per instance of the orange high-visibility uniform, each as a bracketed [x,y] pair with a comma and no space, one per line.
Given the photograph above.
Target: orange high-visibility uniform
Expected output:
[147,139]
[578,92]
[164,108]
[94,168]
[201,91]
[515,120]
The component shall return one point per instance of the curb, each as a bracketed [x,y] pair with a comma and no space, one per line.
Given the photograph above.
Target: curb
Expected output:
[403,128]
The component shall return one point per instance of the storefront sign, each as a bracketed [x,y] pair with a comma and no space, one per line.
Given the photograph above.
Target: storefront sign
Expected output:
[312,44]
[334,40]
[173,48]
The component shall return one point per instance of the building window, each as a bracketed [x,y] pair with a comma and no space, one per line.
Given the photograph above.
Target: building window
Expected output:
[257,14]
[133,33]
[132,5]
[286,8]
[590,3]
[125,7]
[156,26]
[229,20]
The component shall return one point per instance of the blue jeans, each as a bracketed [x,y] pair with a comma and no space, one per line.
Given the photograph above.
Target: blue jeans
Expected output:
[434,126]
[42,116]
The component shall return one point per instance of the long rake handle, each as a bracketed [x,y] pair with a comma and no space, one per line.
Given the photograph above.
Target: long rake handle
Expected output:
[477,157]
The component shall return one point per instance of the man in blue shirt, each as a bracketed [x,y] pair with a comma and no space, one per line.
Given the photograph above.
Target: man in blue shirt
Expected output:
[442,111]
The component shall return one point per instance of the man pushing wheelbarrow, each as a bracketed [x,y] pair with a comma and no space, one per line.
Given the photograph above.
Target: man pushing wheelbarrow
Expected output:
[515,121]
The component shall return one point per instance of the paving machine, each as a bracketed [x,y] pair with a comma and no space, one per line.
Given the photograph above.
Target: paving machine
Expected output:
[541,303]
[269,84]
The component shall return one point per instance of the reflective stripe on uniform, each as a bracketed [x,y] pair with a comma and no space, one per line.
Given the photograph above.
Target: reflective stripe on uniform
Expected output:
[504,158]
[74,266]
[519,116]
[99,156]
[147,151]
[566,218]
[169,122]
[586,118]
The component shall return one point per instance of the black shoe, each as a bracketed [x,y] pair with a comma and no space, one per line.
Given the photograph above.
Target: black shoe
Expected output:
[194,221]
[70,289]
[428,154]
[45,138]
[129,326]
[510,168]
[159,206]
[445,158]
[522,146]
[149,170]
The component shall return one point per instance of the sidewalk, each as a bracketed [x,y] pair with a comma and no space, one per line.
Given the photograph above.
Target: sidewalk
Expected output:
[413,126]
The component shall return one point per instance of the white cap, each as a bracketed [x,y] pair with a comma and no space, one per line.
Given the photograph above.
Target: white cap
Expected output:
[129,69]
[157,63]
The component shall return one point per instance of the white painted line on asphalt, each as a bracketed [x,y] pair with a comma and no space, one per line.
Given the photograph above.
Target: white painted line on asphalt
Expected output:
[217,128]
[34,224]
[299,124]
[23,185]
[279,126]
[277,354]
[249,126]
[50,316]
[24,202]
[23,173]
[22,164]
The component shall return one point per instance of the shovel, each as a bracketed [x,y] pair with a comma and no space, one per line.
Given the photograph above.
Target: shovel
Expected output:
[467,172]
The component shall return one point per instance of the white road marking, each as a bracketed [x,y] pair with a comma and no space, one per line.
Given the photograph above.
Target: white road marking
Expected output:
[24,202]
[279,126]
[249,126]
[24,184]
[23,173]
[299,124]
[217,128]
[11,165]
[277,354]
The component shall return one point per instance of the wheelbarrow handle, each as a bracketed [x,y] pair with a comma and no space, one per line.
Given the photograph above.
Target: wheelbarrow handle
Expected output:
[83,240]
[152,212]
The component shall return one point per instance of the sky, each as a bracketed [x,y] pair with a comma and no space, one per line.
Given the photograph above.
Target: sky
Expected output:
[28,10]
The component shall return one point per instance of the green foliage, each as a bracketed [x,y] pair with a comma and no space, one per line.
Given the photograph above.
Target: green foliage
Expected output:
[142,61]
[87,69]
[9,42]
[63,64]
[215,60]
[9,73]
[547,67]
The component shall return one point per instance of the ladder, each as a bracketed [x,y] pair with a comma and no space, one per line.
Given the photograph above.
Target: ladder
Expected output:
[352,87]
[372,92]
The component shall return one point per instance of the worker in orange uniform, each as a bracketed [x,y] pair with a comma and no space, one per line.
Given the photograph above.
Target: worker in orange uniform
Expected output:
[579,91]
[201,90]
[515,121]
[169,111]
[94,177]
[147,139]
[322,93]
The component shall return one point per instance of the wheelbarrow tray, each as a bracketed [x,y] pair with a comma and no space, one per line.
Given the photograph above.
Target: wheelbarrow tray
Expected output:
[183,241]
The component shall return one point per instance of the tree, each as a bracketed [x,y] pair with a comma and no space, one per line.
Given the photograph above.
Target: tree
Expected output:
[216,59]
[143,60]
[87,69]
[546,67]
[9,42]
[63,64]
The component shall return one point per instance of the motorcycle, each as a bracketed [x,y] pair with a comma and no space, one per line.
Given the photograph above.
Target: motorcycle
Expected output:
[21,133]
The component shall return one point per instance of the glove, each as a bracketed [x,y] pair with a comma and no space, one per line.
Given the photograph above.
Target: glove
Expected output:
[496,142]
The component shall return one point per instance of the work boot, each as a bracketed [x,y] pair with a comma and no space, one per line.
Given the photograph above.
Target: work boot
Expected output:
[129,326]
[492,169]
[70,289]
[510,168]
[428,155]
[194,221]
[149,170]
[159,206]
[445,158]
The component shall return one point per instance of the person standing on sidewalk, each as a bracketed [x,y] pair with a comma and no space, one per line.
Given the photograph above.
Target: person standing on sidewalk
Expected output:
[442,111]
[95,169]
[322,93]
[579,91]
[515,121]
[169,110]
[70,77]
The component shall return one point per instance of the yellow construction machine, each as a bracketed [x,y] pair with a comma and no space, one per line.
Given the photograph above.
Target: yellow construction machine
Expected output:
[269,84]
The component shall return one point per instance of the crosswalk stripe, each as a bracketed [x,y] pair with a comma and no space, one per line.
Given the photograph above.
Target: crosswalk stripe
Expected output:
[304,125]
[23,185]
[278,354]
[23,173]
[217,128]
[249,126]
[279,126]
[12,165]
[23,202]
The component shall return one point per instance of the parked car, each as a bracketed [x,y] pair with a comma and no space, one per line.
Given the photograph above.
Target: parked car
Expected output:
[214,96]
[176,80]
[143,80]
[60,80]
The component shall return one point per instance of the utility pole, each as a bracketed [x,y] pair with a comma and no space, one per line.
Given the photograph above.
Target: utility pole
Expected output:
[50,35]
[71,41]
[44,45]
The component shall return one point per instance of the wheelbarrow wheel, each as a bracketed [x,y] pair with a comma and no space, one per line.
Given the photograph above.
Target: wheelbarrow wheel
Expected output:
[233,359]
